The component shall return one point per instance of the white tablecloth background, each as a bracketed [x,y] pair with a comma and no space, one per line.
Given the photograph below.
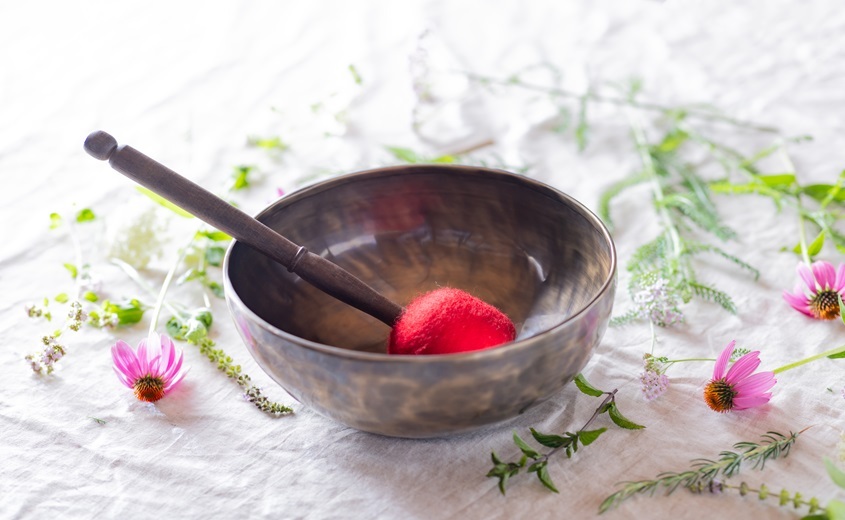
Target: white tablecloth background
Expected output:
[187,82]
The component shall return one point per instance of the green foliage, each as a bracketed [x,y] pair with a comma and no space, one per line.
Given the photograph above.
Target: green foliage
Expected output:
[714,295]
[55,220]
[85,215]
[703,472]
[161,201]
[72,269]
[409,156]
[194,328]
[568,442]
[273,144]
[585,387]
[836,474]
[615,189]
[240,177]
[663,273]
[356,77]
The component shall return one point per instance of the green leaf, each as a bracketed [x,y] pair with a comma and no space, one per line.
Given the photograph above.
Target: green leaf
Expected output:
[214,255]
[128,312]
[503,482]
[158,199]
[781,179]
[821,191]
[444,159]
[214,235]
[548,440]
[85,215]
[587,437]
[814,248]
[61,298]
[620,419]
[615,189]
[203,315]
[90,296]
[174,328]
[216,289]
[355,75]
[55,220]
[496,459]
[525,448]
[405,154]
[586,387]
[582,130]
[836,474]
[74,272]
[240,177]
[673,140]
[537,466]
[274,143]
[544,477]
[835,510]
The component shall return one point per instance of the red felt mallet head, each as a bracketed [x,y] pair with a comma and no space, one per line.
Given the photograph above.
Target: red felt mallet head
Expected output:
[448,321]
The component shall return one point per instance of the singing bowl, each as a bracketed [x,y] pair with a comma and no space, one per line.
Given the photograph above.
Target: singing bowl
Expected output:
[532,251]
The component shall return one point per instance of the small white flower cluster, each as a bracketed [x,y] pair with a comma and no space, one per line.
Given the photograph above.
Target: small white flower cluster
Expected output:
[46,358]
[658,302]
[53,351]
[653,378]
[139,240]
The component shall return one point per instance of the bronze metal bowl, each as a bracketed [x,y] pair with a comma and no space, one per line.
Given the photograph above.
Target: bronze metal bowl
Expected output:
[530,250]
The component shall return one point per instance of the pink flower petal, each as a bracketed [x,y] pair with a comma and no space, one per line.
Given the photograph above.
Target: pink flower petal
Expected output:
[168,351]
[743,403]
[798,302]
[825,274]
[126,382]
[141,354]
[755,384]
[807,275]
[172,385]
[840,278]
[743,367]
[125,358]
[173,369]
[722,360]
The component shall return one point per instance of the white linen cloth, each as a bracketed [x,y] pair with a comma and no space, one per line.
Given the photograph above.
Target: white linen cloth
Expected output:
[188,82]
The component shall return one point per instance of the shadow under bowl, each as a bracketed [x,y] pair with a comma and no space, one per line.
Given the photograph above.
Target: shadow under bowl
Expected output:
[530,250]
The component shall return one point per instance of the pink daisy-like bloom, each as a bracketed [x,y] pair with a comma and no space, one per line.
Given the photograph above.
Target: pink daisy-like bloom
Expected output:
[819,297]
[151,371]
[740,387]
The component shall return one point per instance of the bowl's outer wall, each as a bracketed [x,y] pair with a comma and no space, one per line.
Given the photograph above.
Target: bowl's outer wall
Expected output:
[522,246]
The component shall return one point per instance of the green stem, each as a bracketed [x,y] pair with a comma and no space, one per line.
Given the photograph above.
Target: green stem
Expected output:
[827,353]
[135,277]
[621,101]
[165,286]
[648,164]
[802,232]
[689,359]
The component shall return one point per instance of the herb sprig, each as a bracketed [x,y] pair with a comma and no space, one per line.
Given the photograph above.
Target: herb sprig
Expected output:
[703,473]
[567,442]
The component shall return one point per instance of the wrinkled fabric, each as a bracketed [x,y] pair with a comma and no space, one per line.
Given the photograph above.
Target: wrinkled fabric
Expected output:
[188,82]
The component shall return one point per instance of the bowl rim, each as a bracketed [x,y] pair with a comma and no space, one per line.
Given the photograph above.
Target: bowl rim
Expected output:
[308,191]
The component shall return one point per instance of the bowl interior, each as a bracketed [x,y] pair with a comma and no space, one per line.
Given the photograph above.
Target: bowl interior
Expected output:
[531,251]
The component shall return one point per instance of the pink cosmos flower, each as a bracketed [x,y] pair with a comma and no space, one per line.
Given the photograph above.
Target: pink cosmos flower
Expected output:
[819,298]
[740,388]
[153,370]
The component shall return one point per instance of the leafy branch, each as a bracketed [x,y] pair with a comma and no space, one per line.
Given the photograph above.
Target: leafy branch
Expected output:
[704,472]
[567,442]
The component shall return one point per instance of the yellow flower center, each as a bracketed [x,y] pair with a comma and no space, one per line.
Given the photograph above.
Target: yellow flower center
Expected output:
[825,305]
[719,395]
[149,388]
